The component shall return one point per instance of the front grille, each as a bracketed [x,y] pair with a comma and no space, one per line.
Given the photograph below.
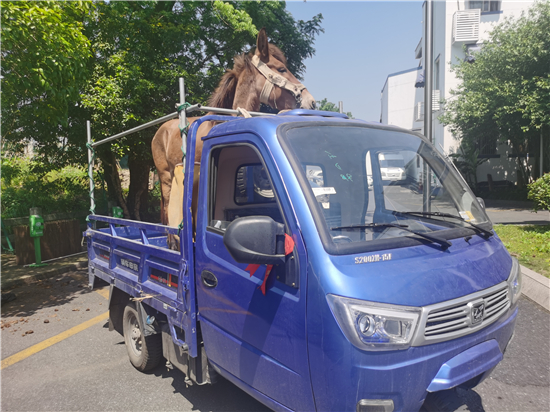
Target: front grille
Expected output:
[462,316]
[445,321]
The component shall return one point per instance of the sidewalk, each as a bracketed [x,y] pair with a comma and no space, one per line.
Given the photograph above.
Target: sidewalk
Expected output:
[513,212]
[13,276]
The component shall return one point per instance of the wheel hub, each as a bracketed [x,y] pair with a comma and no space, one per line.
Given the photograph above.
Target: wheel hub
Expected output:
[136,333]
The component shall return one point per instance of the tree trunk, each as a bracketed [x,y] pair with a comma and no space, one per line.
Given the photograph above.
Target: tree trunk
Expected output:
[111,170]
[108,176]
[139,186]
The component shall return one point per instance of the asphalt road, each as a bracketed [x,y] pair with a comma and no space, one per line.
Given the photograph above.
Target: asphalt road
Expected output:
[89,369]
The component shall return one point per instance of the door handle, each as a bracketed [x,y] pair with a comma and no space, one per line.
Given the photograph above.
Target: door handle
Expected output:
[209,279]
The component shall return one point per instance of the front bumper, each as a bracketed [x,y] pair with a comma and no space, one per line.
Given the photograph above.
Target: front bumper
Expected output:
[405,377]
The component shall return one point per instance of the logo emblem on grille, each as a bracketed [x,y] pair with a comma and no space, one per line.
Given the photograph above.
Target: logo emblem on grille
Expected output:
[477,312]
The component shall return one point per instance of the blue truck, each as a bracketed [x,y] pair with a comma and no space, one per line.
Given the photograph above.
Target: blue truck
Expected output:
[311,282]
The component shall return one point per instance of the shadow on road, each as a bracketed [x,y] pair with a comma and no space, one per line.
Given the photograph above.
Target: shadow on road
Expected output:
[46,293]
[222,396]
[471,399]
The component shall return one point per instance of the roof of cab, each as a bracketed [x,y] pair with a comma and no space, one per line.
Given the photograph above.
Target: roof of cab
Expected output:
[266,125]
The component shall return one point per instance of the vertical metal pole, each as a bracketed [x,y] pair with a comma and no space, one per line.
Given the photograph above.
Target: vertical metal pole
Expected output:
[428,87]
[90,165]
[341,106]
[186,180]
[183,120]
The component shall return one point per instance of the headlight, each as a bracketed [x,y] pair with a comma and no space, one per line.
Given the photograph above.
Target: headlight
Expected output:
[374,326]
[514,281]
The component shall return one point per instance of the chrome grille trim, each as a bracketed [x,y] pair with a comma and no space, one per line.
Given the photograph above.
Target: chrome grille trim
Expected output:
[452,319]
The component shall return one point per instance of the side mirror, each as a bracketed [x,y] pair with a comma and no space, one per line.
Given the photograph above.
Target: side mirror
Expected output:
[481,202]
[256,239]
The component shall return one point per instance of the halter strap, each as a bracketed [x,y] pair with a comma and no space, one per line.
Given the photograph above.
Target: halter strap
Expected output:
[273,78]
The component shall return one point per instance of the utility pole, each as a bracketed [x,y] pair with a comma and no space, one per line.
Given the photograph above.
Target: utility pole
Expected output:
[428,86]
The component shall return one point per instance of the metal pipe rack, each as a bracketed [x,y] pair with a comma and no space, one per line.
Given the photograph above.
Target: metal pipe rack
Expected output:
[190,109]
[182,114]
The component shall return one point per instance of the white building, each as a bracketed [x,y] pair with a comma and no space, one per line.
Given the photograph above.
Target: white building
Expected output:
[400,98]
[458,27]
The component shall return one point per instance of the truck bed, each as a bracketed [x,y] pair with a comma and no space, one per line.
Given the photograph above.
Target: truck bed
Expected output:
[134,257]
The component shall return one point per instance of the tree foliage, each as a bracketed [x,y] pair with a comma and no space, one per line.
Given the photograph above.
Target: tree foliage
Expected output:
[327,106]
[44,64]
[26,183]
[504,95]
[539,193]
[132,54]
[467,160]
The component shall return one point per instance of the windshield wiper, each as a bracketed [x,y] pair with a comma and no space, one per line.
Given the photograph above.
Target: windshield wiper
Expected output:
[443,243]
[486,232]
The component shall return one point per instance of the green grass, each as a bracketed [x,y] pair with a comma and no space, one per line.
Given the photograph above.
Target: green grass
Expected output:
[529,244]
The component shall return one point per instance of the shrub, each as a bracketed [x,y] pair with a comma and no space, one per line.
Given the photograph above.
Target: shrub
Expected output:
[539,193]
[26,184]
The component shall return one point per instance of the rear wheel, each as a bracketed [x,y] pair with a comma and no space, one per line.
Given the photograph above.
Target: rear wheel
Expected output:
[144,352]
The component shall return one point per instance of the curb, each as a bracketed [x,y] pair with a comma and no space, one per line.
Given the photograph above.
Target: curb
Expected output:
[536,287]
[13,283]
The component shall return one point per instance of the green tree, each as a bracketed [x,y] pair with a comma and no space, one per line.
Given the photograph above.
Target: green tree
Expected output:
[539,193]
[467,161]
[140,50]
[505,94]
[44,64]
[135,52]
[327,106]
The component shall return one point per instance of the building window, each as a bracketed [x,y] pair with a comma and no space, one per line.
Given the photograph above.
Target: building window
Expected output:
[484,5]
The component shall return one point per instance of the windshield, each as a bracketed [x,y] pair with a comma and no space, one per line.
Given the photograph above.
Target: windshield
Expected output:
[368,185]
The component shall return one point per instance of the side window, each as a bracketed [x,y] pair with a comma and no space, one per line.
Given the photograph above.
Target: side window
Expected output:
[240,186]
[252,185]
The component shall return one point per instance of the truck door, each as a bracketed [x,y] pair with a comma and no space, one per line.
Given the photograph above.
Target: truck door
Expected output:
[256,340]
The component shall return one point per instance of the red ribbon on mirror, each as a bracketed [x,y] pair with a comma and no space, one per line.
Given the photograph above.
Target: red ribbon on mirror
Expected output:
[253,267]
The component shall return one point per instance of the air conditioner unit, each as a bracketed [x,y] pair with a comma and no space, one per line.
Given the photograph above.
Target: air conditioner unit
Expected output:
[435,100]
[419,106]
[419,112]
[466,25]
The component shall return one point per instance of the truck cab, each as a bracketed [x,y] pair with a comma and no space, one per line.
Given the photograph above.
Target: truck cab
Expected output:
[313,285]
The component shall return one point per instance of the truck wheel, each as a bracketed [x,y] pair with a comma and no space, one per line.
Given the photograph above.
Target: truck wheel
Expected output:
[144,352]
[444,401]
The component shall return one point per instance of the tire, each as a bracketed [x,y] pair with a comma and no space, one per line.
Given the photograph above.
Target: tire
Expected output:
[145,352]
[444,401]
